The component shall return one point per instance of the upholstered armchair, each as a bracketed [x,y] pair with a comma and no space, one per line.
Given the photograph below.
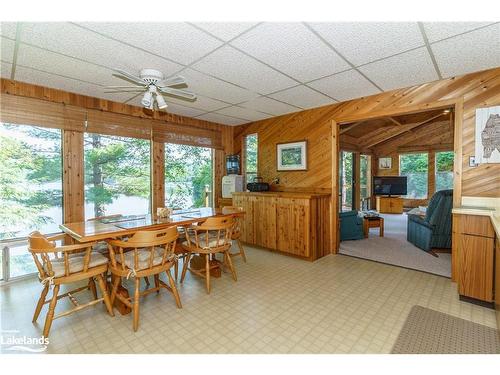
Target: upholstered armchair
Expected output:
[351,226]
[433,230]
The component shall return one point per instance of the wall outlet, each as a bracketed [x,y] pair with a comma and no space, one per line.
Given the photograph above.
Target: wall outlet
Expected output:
[472,162]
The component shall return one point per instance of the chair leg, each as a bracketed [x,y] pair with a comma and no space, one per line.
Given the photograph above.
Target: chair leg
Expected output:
[92,287]
[242,251]
[157,283]
[230,264]
[107,302]
[176,269]
[174,289]
[207,272]
[136,303]
[41,302]
[114,289]
[185,266]
[50,313]
[146,280]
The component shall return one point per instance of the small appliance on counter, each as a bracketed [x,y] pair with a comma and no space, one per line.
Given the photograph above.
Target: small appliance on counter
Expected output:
[230,184]
[258,185]
[233,164]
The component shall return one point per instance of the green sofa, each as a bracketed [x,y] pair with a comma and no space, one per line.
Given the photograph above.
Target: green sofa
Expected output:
[433,231]
[351,226]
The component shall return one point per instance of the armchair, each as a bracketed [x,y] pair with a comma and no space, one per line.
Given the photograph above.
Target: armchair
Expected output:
[351,226]
[434,230]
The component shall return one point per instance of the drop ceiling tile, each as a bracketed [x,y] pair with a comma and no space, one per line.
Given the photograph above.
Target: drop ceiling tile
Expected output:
[269,105]
[244,113]
[40,59]
[172,108]
[215,88]
[225,30]
[221,119]
[178,41]
[362,42]
[201,103]
[292,49]
[8,29]
[345,86]
[6,70]
[67,84]
[235,67]
[72,40]
[440,30]
[407,69]
[467,53]
[303,97]
[7,49]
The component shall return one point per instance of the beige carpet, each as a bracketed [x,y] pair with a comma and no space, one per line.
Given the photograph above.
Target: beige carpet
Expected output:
[394,249]
[428,331]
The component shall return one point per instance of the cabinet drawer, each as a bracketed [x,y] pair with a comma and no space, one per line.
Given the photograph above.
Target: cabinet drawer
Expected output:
[474,225]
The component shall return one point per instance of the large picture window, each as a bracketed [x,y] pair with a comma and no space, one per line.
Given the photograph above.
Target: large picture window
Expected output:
[415,167]
[30,190]
[444,170]
[188,176]
[251,146]
[117,175]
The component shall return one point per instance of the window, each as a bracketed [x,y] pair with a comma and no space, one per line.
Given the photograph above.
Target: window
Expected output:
[415,167]
[444,170]
[346,180]
[30,191]
[188,176]
[251,146]
[365,181]
[117,175]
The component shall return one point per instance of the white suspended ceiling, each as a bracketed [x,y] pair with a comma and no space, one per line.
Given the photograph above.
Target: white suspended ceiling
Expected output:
[245,72]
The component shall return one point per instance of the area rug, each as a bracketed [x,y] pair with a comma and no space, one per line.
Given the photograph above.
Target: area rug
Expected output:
[394,249]
[432,332]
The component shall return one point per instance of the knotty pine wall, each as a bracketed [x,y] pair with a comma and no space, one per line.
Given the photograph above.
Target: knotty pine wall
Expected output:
[466,93]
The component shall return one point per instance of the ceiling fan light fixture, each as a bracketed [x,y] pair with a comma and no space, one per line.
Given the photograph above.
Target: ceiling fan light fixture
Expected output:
[147,99]
[162,104]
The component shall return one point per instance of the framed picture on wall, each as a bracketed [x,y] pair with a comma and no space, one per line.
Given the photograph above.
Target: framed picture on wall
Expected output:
[488,135]
[291,156]
[385,163]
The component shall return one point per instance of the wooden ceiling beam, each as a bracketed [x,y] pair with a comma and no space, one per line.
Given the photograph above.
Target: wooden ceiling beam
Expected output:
[350,127]
[438,147]
[392,119]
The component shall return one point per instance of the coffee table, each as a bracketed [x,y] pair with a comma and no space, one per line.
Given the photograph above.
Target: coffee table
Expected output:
[373,222]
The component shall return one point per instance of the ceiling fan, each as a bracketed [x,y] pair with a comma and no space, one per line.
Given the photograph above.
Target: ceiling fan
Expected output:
[153,84]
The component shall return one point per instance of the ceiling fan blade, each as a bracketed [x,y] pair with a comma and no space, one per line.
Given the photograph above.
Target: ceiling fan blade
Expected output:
[176,92]
[125,87]
[174,81]
[126,90]
[128,77]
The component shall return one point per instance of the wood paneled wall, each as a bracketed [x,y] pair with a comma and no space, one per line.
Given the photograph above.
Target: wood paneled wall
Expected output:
[466,93]
[73,142]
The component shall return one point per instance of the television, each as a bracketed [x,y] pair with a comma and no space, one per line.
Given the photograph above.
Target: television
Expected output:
[389,185]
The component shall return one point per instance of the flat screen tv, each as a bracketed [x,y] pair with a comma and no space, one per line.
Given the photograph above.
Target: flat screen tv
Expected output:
[389,185]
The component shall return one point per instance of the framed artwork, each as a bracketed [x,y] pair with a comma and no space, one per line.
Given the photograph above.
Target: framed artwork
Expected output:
[488,135]
[385,163]
[291,156]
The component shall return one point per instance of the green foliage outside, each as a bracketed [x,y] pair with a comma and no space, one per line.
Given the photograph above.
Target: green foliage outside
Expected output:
[346,175]
[251,157]
[415,167]
[444,170]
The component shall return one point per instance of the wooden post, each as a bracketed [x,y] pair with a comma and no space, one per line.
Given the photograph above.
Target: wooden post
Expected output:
[334,206]
[157,176]
[356,183]
[73,176]
[431,174]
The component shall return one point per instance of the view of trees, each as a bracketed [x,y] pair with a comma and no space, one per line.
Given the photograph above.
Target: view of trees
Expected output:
[444,170]
[188,175]
[345,174]
[415,167]
[251,143]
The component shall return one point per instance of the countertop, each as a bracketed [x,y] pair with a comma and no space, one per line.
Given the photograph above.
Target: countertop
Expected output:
[283,194]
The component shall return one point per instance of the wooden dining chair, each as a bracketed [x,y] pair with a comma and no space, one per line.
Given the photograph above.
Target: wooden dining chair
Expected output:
[207,239]
[236,231]
[58,265]
[145,253]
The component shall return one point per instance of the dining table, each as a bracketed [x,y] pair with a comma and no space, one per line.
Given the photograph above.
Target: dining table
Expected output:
[123,225]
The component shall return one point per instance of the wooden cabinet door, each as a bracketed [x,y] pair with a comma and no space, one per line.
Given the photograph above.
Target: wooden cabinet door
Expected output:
[247,222]
[475,263]
[497,279]
[293,221]
[264,211]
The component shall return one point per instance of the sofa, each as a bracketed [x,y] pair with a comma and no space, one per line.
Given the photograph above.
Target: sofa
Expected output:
[351,226]
[433,230]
